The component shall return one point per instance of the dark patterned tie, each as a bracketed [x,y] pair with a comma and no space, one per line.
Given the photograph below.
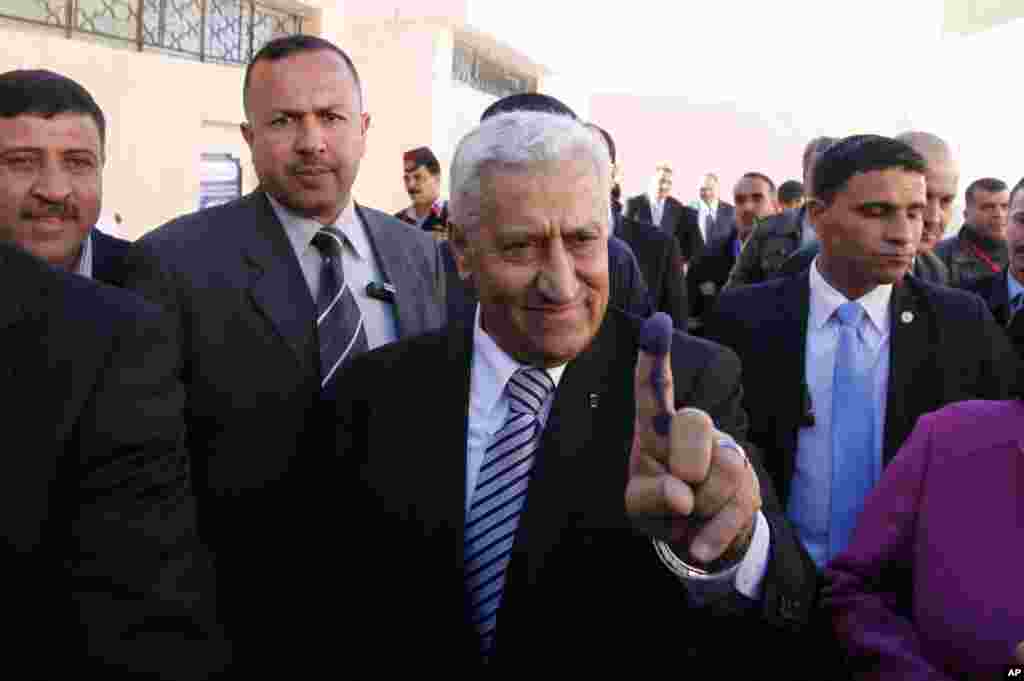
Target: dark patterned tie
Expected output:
[339,321]
[499,498]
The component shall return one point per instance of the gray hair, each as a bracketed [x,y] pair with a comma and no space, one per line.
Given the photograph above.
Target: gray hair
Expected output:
[515,141]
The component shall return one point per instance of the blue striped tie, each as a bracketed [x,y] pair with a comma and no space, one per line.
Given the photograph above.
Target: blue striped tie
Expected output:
[499,498]
[339,321]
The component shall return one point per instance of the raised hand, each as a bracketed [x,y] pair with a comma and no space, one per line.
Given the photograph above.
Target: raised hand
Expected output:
[689,484]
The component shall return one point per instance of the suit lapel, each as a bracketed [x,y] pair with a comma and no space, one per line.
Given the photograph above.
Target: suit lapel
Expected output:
[789,348]
[584,405]
[999,299]
[277,285]
[395,265]
[913,332]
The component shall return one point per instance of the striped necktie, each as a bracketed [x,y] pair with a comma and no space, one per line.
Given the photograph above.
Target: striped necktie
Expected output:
[499,498]
[339,322]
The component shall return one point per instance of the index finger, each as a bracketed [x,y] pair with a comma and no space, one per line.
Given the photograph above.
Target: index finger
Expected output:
[653,390]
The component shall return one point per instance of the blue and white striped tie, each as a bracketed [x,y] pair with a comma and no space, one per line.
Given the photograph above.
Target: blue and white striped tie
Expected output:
[499,498]
[339,321]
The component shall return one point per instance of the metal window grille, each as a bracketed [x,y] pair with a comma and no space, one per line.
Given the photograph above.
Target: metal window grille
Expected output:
[224,31]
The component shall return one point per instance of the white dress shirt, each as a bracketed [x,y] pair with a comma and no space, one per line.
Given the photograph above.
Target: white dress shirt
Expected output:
[657,209]
[357,261]
[704,212]
[84,266]
[491,370]
[810,495]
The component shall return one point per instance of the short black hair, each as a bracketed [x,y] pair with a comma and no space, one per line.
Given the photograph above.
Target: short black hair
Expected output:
[528,101]
[816,146]
[1016,188]
[790,191]
[286,46]
[861,154]
[985,184]
[754,175]
[423,156]
[608,141]
[47,94]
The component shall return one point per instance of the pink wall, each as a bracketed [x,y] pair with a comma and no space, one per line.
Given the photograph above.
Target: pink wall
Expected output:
[697,138]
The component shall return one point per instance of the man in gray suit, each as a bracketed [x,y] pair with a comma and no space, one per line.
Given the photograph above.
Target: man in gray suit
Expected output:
[272,293]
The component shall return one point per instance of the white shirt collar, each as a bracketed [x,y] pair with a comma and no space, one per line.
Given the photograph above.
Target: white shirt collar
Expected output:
[494,367]
[301,230]
[710,207]
[825,299]
[84,266]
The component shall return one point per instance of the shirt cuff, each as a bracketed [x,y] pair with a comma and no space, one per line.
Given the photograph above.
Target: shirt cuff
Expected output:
[746,576]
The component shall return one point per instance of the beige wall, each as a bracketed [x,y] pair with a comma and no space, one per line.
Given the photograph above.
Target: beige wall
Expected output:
[164,111]
[155,107]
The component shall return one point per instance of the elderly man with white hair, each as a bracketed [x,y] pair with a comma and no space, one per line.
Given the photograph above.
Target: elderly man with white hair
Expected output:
[579,501]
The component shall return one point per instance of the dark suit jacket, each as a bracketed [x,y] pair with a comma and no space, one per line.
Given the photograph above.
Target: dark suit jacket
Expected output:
[108,255]
[105,577]
[627,289]
[676,219]
[993,290]
[246,321]
[723,222]
[949,350]
[583,587]
[706,277]
[927,266]
[659,259]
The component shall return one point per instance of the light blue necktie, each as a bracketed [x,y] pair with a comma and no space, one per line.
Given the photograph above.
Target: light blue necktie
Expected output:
[853,426]
[499,498]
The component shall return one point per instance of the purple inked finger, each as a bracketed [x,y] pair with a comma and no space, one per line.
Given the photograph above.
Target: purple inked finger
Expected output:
[656,339]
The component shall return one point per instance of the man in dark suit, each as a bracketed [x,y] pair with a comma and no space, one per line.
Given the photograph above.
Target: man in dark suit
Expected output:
[106,577]
[912,347]
[665,212]
[657,253]
[755,201]
[53,135]
[714,215]
[272,293]
[572,577]
[776,239]
[1004,292]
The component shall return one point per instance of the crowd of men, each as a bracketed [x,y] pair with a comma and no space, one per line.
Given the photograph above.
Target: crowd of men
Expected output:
[527,425]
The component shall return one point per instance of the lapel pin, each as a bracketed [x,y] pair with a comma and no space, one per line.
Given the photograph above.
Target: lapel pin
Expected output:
[593,400]
[907,317]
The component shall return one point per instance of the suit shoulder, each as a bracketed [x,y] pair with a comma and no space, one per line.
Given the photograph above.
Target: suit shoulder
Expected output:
[945,247]
[116,244]
[947,299]
[410,233]
[983,286]
[88,304]
[753,294]
[990,423]
[200,228]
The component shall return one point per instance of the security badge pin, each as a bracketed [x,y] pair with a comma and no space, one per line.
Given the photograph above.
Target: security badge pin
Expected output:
[594,399]
[907,317]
